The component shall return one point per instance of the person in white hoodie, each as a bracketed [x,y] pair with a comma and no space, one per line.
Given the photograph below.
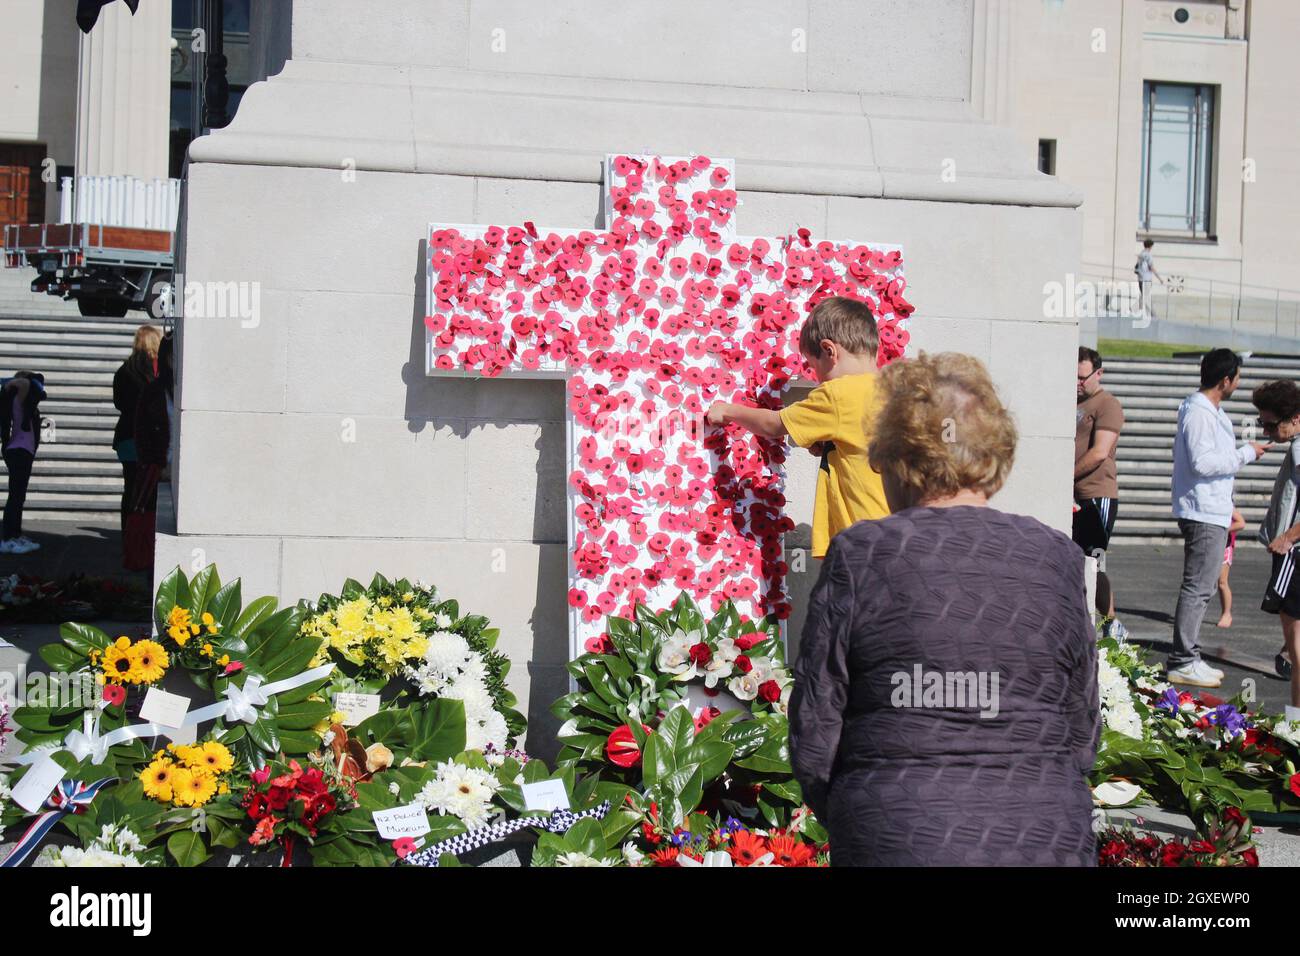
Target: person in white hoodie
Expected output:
[1206,457]
[1279,416]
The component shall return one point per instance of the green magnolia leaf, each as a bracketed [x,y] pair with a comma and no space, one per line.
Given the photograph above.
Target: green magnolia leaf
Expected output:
[263,733]
[437,730]
[258,610]
[84,638]
[203,586]
[173,591]
[62,658]
[225,605]
[186,847]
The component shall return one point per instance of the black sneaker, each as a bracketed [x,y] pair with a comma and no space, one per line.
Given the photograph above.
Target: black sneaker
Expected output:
[1282,666]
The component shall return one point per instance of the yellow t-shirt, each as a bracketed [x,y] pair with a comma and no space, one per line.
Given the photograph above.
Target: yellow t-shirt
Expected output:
[847,489]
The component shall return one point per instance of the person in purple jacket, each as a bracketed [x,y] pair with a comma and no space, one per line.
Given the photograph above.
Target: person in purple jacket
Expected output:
[945,706]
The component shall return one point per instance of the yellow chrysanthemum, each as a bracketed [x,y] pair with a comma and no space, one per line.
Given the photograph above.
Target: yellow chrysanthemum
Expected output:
[408,597]
[192,788]
[157,779]
[206,650]
[223,660]
[423,613]
[119,663]
[385,601]
[150,661]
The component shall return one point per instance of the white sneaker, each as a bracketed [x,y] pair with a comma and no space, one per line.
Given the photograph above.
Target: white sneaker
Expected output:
[27,543]
[1214,670]
[1196,673]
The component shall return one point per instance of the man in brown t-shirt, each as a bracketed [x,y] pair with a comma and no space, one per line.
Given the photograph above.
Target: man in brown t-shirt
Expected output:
[1098,421]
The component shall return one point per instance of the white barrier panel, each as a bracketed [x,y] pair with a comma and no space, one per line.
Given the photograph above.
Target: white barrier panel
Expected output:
[121,201]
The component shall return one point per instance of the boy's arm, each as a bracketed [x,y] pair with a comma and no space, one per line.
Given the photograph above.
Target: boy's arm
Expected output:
[764,422]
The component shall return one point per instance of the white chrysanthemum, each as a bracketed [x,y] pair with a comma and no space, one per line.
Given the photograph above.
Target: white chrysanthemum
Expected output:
[478,702]
[5,792]
[1116,700]
[632,854]
[475,669]
[580,859]
[94,856]
[1288,730]
[489,729]
[447,654]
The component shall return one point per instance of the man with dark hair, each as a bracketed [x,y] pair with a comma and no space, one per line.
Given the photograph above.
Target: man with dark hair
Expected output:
[1206,457]
[1279,416]
[1097,424]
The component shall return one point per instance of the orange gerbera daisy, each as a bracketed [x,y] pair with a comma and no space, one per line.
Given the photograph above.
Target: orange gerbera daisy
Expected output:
[746,847]
[789,851]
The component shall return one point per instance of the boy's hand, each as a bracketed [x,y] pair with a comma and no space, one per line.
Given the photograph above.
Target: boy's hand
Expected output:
[717,414]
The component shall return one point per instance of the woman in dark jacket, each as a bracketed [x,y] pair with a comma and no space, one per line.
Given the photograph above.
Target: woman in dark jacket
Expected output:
[945,706]
[20,436]
[129,381]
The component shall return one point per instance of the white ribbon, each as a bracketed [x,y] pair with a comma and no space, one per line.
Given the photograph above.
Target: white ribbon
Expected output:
[244,701]
[241,704]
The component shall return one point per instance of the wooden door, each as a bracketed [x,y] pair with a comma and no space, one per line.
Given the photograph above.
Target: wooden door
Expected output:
[22,192]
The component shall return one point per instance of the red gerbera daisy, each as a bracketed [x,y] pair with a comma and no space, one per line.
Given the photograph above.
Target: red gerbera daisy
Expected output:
[746,847]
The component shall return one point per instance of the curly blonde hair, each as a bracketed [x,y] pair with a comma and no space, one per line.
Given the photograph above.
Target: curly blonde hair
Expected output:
[941,427]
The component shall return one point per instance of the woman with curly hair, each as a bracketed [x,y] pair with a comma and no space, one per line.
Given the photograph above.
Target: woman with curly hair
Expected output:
[945,701]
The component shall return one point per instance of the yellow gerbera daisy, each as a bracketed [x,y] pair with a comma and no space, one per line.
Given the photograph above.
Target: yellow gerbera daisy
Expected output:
[213,757]
[192,788]
[157,779]
[119,663]
[150,661]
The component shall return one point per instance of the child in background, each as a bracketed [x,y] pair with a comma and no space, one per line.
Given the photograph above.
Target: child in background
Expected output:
[1225,592]
[839,341]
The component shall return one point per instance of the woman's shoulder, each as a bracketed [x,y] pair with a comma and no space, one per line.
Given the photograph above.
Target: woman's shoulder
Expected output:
[977,522]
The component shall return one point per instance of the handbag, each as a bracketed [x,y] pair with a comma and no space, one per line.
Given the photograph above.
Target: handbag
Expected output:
[137,537]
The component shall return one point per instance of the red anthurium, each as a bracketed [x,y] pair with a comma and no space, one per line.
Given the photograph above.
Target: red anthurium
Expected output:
[622,748]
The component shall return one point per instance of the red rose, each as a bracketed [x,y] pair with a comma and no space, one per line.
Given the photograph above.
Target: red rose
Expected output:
[1250,857]
[1201,846]
[1233,815]
[700,653]
[743,664]
[278,798]
[1294,784]
[746,641]
[770,691]
[1172,854]
[622,748]
[312,782]
[1113,853]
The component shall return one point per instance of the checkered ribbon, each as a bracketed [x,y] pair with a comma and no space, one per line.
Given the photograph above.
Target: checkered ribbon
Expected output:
[558,821]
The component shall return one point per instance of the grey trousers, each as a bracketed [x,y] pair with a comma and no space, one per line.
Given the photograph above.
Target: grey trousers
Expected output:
[1203,546]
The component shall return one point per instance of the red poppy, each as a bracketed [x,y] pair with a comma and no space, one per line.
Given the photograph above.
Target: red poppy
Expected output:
[114,695]
[622,748]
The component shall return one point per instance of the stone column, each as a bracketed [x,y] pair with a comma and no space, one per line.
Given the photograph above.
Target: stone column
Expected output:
[123,93]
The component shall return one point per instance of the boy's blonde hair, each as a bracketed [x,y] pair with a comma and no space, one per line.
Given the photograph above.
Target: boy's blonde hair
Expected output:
[846,322]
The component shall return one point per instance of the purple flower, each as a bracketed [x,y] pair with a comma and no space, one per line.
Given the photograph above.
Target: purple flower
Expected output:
[1168,701]
[1229,718]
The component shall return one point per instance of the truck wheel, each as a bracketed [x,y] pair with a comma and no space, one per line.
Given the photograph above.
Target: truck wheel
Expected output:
[100,308]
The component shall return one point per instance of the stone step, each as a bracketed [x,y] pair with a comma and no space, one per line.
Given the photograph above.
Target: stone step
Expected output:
[106,365]
[91,325]
[34,351]
[68,484]
[111,340]
[38,499]
[57,406]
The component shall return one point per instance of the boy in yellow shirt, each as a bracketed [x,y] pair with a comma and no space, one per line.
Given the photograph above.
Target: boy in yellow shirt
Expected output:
[839,341]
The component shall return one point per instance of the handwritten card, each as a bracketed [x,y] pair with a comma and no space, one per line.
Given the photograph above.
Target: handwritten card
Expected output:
[31,791]
[356,707]
[409,821]
[545,795]
[160,707]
